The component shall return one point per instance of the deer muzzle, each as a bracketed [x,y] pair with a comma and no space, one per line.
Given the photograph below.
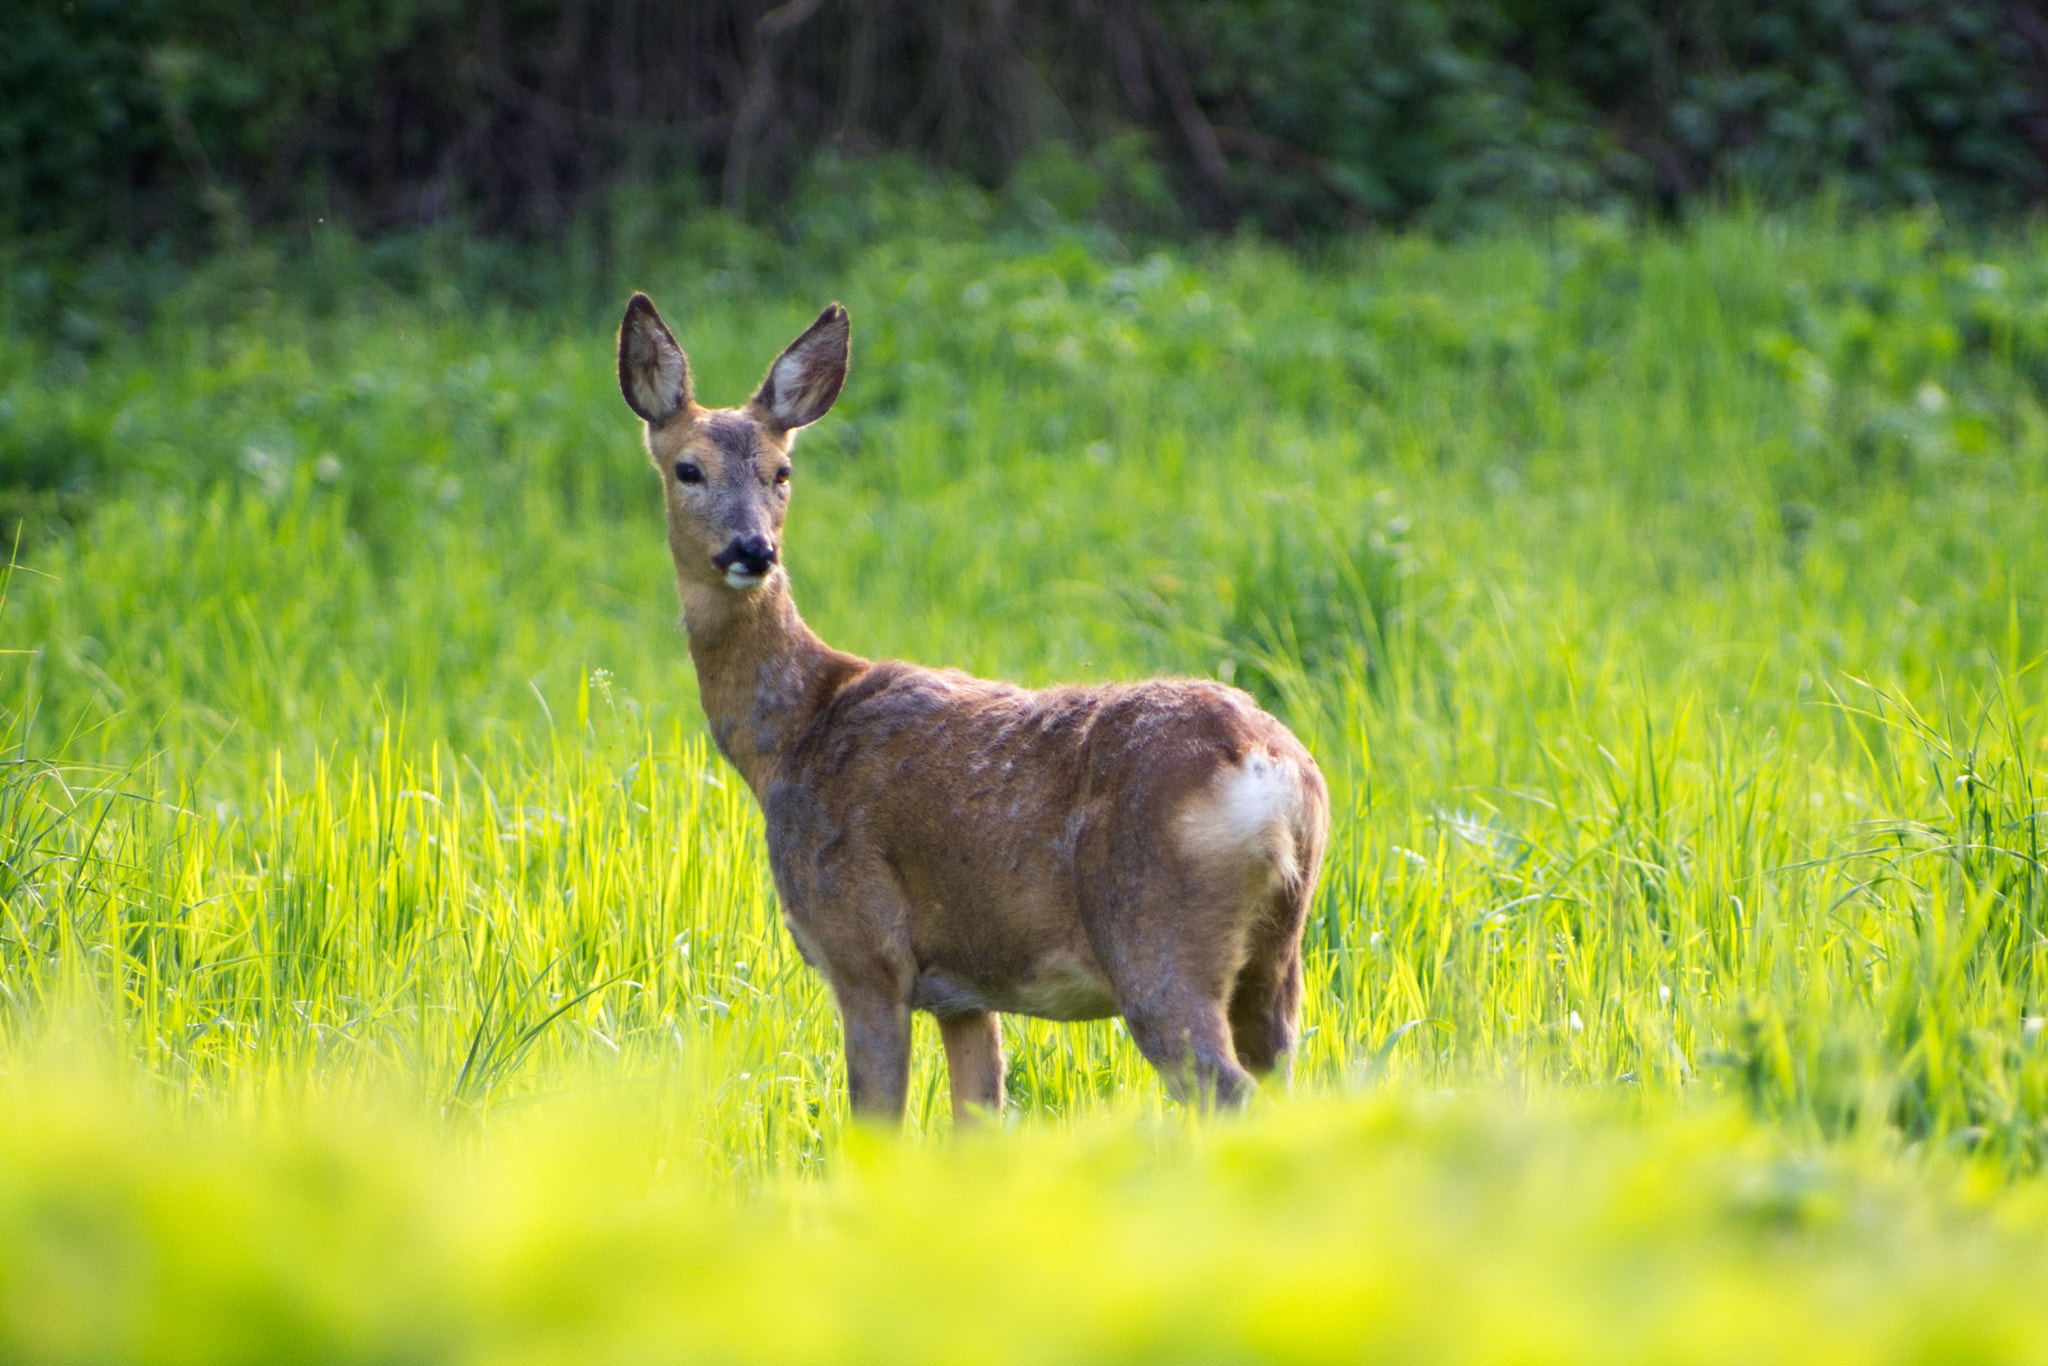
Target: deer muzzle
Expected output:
[745,561]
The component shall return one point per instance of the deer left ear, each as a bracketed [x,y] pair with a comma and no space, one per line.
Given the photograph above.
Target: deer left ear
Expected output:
[654,374]
[805,380]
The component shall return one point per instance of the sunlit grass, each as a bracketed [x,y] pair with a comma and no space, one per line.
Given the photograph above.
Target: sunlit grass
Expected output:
[1666,607]
[1375,1230]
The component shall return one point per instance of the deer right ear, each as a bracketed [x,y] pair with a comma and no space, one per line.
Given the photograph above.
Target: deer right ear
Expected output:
[805,380]
[654,374]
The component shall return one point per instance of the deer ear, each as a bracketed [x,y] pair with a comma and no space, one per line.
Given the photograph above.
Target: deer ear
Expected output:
[805,380]
[654,374]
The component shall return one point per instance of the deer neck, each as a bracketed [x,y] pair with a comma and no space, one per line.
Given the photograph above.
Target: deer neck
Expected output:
[761,673]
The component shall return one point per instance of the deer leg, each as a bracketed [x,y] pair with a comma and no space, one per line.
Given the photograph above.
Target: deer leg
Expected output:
[877,1052]
[1183,1034]
[1265,1002]
[1265,1011]
[974,1064]
[1172,952]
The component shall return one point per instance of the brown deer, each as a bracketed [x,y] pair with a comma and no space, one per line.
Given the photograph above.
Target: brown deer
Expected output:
[962,847]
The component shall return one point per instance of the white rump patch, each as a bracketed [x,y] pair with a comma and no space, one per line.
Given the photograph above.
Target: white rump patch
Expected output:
[1248,810]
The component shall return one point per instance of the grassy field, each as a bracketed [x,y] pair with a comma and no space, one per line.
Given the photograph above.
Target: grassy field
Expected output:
[388,971]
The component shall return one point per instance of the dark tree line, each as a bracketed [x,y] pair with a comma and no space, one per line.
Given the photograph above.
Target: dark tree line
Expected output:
[126,120]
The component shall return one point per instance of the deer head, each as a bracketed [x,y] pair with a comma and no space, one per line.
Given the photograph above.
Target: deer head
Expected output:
[727,470]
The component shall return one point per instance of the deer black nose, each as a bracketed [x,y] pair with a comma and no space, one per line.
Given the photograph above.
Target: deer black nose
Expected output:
[752,556]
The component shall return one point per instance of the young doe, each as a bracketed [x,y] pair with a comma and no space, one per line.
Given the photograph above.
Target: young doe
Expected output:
[963,847]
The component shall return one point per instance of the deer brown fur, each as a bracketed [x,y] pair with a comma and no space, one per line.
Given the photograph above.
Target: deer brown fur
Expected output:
[963,847]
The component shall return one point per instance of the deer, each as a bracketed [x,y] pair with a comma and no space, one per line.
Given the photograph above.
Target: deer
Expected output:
[966,848]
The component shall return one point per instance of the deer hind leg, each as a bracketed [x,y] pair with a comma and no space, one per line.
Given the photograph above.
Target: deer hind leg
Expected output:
[974,1064]
[1187,1040]
[1265,1002]
[1265,1011]
[1174,985]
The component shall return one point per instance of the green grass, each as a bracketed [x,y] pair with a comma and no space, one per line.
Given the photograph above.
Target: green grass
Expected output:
[1370,1230]
[1667,608]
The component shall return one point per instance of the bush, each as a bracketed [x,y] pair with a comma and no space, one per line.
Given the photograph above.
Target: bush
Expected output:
[127,120]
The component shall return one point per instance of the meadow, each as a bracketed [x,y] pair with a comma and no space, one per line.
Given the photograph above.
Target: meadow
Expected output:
[389,971]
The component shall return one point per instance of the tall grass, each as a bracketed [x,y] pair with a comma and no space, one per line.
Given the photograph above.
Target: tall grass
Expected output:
[1373,1230]
[1666,606]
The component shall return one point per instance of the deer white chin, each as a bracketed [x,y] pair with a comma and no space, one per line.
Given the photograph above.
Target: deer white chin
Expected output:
[739,578]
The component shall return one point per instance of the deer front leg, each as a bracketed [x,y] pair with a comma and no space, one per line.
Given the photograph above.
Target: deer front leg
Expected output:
[877,1051]
[974,1064]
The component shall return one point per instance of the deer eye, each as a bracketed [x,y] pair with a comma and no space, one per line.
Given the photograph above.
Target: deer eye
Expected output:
[782,476]
[688,473]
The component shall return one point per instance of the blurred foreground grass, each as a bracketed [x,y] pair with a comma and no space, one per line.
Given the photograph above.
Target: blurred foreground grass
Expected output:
[1667,608]
[1362,1230]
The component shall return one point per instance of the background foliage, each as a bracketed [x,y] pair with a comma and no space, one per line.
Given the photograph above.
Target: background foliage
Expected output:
[129,120]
